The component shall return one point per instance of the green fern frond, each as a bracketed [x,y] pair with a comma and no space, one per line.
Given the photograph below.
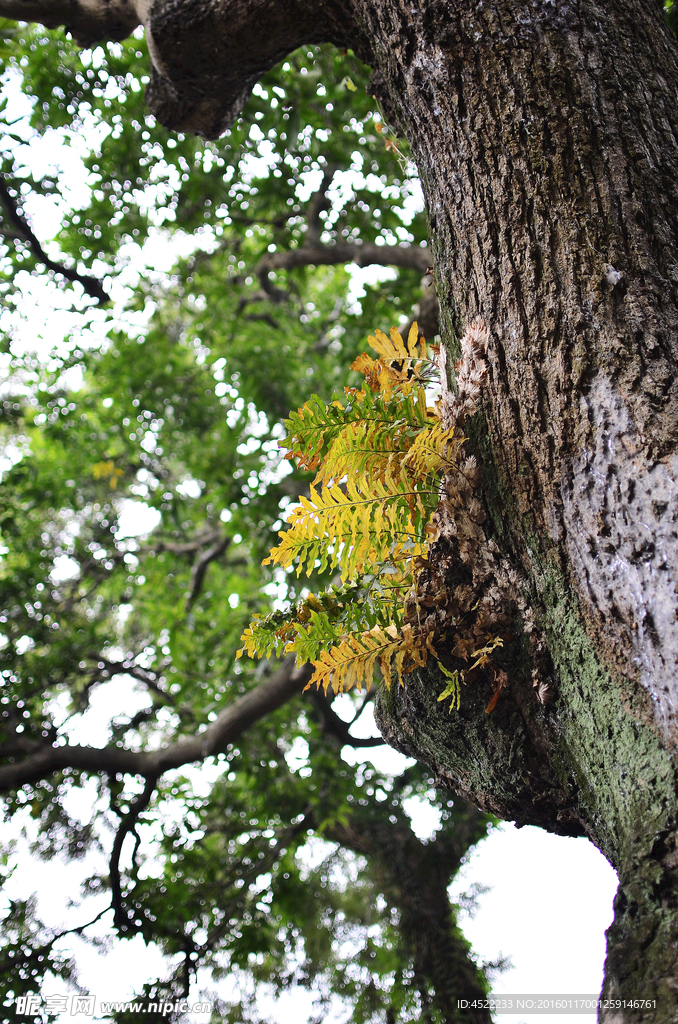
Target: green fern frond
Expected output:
[261,638]
[307,626]
[453,688]
[314,428]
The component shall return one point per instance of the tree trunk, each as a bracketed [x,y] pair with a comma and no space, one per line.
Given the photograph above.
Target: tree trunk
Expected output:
[546,136]
[414,877]
[547,141]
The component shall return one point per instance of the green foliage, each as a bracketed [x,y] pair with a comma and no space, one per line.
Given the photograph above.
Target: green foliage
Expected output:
[671,14]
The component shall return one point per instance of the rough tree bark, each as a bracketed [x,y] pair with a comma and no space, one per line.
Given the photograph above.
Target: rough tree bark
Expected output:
[546,136]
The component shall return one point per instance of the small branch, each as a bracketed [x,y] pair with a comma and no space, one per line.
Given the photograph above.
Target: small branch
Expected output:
[318,203]
[81,927]
[142,675]
[200,568]
[267,293]
[91,285]
[120,728]
[187,548]
[258,868]
[265,318]
[36,955]
[332,725]
[137,807]
[325,339]
[426,313]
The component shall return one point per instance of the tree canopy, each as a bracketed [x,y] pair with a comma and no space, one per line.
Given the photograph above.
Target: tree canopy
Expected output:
[143,486]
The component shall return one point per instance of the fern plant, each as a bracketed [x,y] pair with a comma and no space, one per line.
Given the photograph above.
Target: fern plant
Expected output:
[380,453]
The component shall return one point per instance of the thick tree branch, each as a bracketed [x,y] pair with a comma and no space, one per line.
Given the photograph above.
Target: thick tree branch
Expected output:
[411,257]
[88,22]
[206,57]
[91,285]
[269,695]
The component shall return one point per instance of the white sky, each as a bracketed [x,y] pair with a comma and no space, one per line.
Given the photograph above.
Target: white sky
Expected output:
[549,900]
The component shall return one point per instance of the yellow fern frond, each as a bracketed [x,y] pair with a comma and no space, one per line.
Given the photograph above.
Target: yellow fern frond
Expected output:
[352,662]
[381,376]
[249,645]
[412,340]
[432,452]
[393,347]
[379,458]
[362,450]
[482,655]
[350,529]
[387,347]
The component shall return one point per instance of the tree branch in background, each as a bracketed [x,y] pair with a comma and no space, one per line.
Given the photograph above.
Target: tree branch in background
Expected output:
[91,285]
[88,23]
[314,253]
[318,203]
[248,877]
[426,313]
[201,538]
[363,254]
[414,877]
[269,695]
[24,959]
